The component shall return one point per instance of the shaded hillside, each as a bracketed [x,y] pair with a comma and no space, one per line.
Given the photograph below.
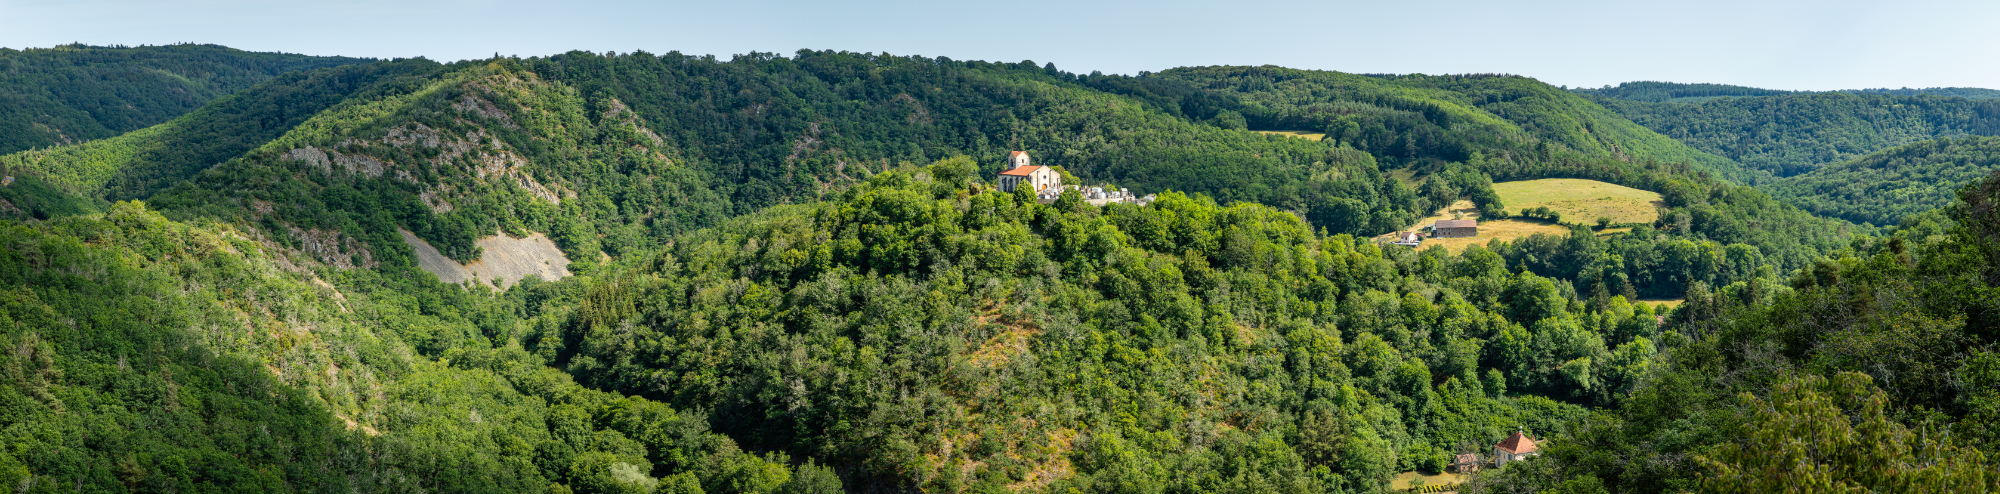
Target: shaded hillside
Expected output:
[149,355]
[1509,127]
[137,164]
[1886,186]
[1655,91]
[75,93]
[1793,134]
[787,129]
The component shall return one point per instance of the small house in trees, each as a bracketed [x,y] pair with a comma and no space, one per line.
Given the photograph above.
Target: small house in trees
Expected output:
[1465,464]
[1516,447]
[1456,228]
[1019,172]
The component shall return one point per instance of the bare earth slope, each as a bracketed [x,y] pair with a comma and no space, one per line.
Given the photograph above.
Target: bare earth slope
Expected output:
[505,260]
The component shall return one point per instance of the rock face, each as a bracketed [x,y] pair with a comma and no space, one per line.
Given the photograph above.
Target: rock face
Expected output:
[504,261]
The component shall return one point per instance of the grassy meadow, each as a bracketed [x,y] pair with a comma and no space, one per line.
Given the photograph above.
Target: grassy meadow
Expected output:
[1301,134]
[1581,201]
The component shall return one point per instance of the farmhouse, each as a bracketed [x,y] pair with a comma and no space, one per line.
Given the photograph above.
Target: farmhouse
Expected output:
[1410,239]
[1037,178]
[1465,464]
[1456,228]
[1516,447]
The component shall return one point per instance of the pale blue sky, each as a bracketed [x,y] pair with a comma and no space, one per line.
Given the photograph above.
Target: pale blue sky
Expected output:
[1783,45]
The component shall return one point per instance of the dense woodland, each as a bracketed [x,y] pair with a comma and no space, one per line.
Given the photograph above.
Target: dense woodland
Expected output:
[794,275]
[75,93]
[1782,136]
[1887,186]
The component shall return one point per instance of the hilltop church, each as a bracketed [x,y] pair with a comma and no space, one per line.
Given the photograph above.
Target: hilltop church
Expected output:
[1038,178]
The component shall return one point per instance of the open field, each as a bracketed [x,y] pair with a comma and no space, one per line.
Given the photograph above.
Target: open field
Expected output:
[1667,303]
[1405,175]
[1302,134]
[1581,201]
[1504,230]
[1403,480]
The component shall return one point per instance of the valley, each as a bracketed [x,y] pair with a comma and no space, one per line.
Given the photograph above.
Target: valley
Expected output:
[667,273]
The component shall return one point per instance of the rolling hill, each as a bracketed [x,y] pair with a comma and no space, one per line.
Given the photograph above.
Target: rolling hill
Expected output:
[1785,135]
[75,93]
[794,275]
[1884,187]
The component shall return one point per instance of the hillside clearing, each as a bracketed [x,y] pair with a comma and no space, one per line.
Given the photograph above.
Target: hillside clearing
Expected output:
[1300,134]
[1405,479]
[1503,230]
[1581,201]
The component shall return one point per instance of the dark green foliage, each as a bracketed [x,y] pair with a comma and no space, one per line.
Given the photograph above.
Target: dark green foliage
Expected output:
[137,164]
[75,93]
[1509,127]
[1958,92]
[1792,134]
[30,197]
[781,129]
[1885,187]
[1654,91]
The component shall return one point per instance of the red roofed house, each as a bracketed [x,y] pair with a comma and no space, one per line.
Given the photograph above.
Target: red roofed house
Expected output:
[1516,447]
[1038,178]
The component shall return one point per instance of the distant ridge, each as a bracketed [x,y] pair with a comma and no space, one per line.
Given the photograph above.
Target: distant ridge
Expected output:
[1676,92]
[76,92]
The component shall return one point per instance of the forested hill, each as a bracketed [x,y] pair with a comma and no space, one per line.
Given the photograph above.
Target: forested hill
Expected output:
[137,164]
[1510,127]
[1655,91]
[1785,135]
[795,275]
[74,93]
[1884,187]
[761,130]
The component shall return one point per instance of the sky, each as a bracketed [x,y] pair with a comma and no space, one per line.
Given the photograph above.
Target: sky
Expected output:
[1796,45]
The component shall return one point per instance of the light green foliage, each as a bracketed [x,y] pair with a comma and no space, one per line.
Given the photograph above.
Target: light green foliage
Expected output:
[1819,435]
[145,354]
[1776,387]
[924,335]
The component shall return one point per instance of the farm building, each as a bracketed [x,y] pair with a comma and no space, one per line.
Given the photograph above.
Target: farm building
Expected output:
[1410,239]
[1456,228]
[1465,464]
[1038,178]
[1516,447]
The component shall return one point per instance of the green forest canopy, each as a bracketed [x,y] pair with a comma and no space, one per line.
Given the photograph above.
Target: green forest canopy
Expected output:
[74,93]
[781,271]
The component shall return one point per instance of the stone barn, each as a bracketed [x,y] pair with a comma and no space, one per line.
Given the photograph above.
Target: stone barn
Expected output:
[1456,228]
